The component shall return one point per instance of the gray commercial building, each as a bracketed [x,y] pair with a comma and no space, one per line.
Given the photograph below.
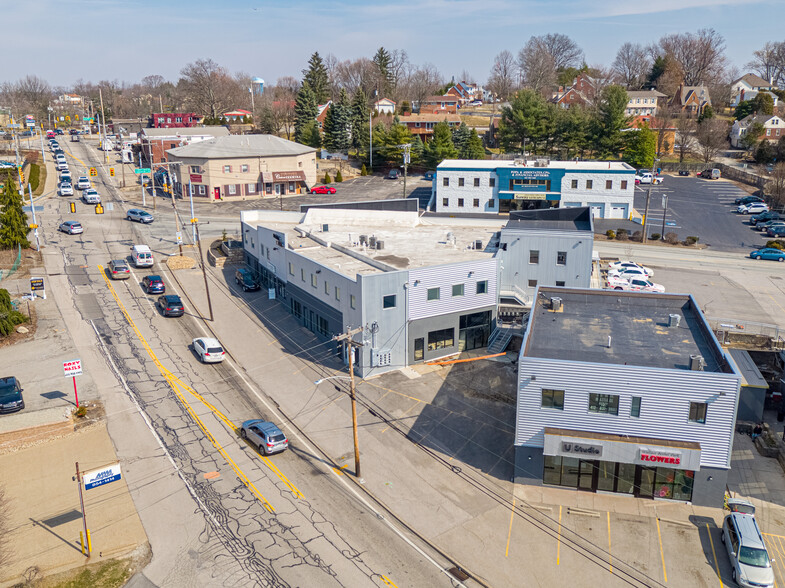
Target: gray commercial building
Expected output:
[625,392]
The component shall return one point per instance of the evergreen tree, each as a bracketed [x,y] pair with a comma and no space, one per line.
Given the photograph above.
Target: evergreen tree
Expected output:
[417,149]
[474,149]
[310,135]
[440,147]
[387,141]
[657,69]
[743,109]
[316,77]
[707,112]
[9,316]
[337,125]
[460,138]
[610,121]
[359,119]
[13,220]
[384,81]
[305,111]
[641,148]
[521,125]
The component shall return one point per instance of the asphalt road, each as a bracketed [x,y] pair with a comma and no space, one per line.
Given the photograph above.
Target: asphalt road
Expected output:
[239,519]
[701,208]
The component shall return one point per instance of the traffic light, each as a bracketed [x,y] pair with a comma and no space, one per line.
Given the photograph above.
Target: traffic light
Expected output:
[93,172]
[21,175]
[111,171]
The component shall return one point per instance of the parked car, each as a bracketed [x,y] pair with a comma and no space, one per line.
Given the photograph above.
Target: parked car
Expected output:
[429,175]
[752,208]
[83,183]
[641,285]
[764,226]
[170,305]
[749,559]
[620,265]
[768,253]
[265,435]
[392,174]
[684,172]
[648,178]
[710,174]
[153,284]
[11,398]
[323,190]
[764,216]
[140,216]
[71,227]
[776,231]
[208,349]
[748,199]
[246,280]
[66,189]
[119,270]
[617,282]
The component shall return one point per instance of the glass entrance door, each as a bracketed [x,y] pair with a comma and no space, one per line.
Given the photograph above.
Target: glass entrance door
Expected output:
[646,482]
[586,473]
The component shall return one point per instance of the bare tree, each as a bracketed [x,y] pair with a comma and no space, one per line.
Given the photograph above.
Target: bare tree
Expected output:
[701,55]
[153,82]
[775,187]
[564,51]
[712,136]
[467,77]
[536,65]
[422,82]
[358,73]
[208,86]
[398,68]
[685,134]
[502,78]
[631,65]
[286,86]
[769,62]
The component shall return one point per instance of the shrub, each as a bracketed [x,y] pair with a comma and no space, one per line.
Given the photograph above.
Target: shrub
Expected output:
[655,237]
[610,233]
[327,179]
[81,411]
[672,238]
[637,236]
[777,244]
[339,176]
[364,171]
[691,240]
[622,234]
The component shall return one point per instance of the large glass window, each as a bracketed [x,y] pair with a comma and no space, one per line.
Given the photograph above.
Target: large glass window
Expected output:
[635,409]
[604,403]
[698,412]
[553,399]
[457,289]
[482,287]
[433,293]
[441,339]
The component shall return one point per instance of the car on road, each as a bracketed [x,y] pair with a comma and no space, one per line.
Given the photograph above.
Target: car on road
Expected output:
[769,253]
[748,199]
[71,227]
[323,190]
[119,270]
[59,132]
[139,215]
[62,165]
[73,132]
[65,176]
[208,349]
[764,216]
[752,208]
[91,196]
[83,183]
[392,174]
[684,172]
[170,305]
[265,435]
[620,265]
[648,178]
[776,231]
[749,559]
[153,284]
[66,189]
[11,398]
[246,280]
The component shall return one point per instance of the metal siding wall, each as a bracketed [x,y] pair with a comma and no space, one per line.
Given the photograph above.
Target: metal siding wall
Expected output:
[421,328]
[444,276]
[666,397]
[391,321]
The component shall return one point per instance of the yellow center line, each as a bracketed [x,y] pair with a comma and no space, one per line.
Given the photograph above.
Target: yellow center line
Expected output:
[387,581]
[714,555]
[610,557]
[558,539]
[175,385]
[509,531]
[662,553]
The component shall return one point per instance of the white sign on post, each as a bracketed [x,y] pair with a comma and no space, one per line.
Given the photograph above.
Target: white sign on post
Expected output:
[102,476]
[72,368]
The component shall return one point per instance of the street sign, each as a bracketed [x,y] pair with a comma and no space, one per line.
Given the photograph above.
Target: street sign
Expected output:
[72,368]
[102,476]
[179,237]
[36,284]
[142,170]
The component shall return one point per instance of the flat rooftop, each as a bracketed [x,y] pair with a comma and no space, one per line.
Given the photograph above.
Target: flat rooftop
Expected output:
[491,164]
[637,324]
[410,241]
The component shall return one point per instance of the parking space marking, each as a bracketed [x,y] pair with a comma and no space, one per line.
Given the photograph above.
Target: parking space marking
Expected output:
[558,538]
[509,531]
[662,553]
[610,557]
[714,555]
[777,542]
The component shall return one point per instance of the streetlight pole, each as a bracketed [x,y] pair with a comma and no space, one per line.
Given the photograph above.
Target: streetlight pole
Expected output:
[664,213]
[195,223]
[648,197]
[103,119]
[406,158]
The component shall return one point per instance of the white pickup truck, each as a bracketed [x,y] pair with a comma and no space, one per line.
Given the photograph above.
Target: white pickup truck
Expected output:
[648,178]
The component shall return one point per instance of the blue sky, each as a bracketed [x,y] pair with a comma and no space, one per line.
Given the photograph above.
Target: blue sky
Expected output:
[64,40]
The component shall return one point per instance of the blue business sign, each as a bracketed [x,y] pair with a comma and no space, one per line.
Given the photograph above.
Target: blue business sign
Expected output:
[102,476]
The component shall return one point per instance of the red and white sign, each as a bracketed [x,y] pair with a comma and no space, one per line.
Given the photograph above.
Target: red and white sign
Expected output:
[72,368]
[660,457]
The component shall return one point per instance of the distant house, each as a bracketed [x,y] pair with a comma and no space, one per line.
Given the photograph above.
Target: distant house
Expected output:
[465,92]
[321,113]
[773,128]
[175,120]
[747,87]
[440,105]
[581,93]
[237,115]
[384,106]
[422,124]
[643,102]
[570,98]
[692,99]
[154,143]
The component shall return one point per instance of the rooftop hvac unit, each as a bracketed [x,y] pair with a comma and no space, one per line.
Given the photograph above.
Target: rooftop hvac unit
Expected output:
[325,228]
[696,363]
[674,320]
[363,239]
[555,303]
[372,242]
[380,244]
[478,244]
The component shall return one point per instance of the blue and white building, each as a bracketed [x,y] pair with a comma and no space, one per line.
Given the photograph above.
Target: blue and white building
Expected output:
[463,186]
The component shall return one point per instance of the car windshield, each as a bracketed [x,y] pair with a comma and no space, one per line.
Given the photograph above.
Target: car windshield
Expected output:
[754,557]
[7,391]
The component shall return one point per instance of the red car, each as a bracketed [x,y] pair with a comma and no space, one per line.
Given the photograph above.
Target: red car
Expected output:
[322,190]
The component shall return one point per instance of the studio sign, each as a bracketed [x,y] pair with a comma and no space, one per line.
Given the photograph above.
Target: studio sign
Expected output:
[581,449]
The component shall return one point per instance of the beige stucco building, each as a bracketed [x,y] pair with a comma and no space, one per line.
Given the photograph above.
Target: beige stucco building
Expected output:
[239,167]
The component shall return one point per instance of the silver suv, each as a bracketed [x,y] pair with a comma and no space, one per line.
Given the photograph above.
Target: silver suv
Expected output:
[747,552]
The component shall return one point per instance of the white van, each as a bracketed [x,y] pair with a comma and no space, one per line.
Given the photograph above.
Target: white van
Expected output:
[142,256]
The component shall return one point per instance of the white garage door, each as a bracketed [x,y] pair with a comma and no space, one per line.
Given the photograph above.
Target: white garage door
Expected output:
[618,212]
[596,211]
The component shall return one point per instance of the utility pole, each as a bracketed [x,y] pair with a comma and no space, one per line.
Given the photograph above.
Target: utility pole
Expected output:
[191,198]
[195,223]
[86,537]
[103,120]
[406,158]
[141,179]
[350,343]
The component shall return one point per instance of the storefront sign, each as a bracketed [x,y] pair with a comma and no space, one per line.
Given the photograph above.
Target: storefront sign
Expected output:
[196,178]
[294,176]
[572,448]
[530,174]
[531,196]
[659,457]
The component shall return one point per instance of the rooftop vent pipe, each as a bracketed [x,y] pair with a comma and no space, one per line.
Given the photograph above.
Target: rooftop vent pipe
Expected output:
[674,320]
[696,363]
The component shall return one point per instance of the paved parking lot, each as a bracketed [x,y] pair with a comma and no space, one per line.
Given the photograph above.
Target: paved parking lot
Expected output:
[703,208]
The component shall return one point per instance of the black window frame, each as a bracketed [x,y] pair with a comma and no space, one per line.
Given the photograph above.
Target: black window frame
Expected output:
[476,182]
[635,407]
[389,301]
[534,256]
[482,287]
[574,184]
[548,399]
[604,403]
[445,182]
[698,412]
[561,258]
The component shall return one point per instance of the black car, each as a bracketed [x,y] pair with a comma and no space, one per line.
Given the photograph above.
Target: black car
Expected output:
[10,395]
[153,284]
[73,132]
[764,216]
[245,279]
[748,200]
[684,172]
[170,305]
